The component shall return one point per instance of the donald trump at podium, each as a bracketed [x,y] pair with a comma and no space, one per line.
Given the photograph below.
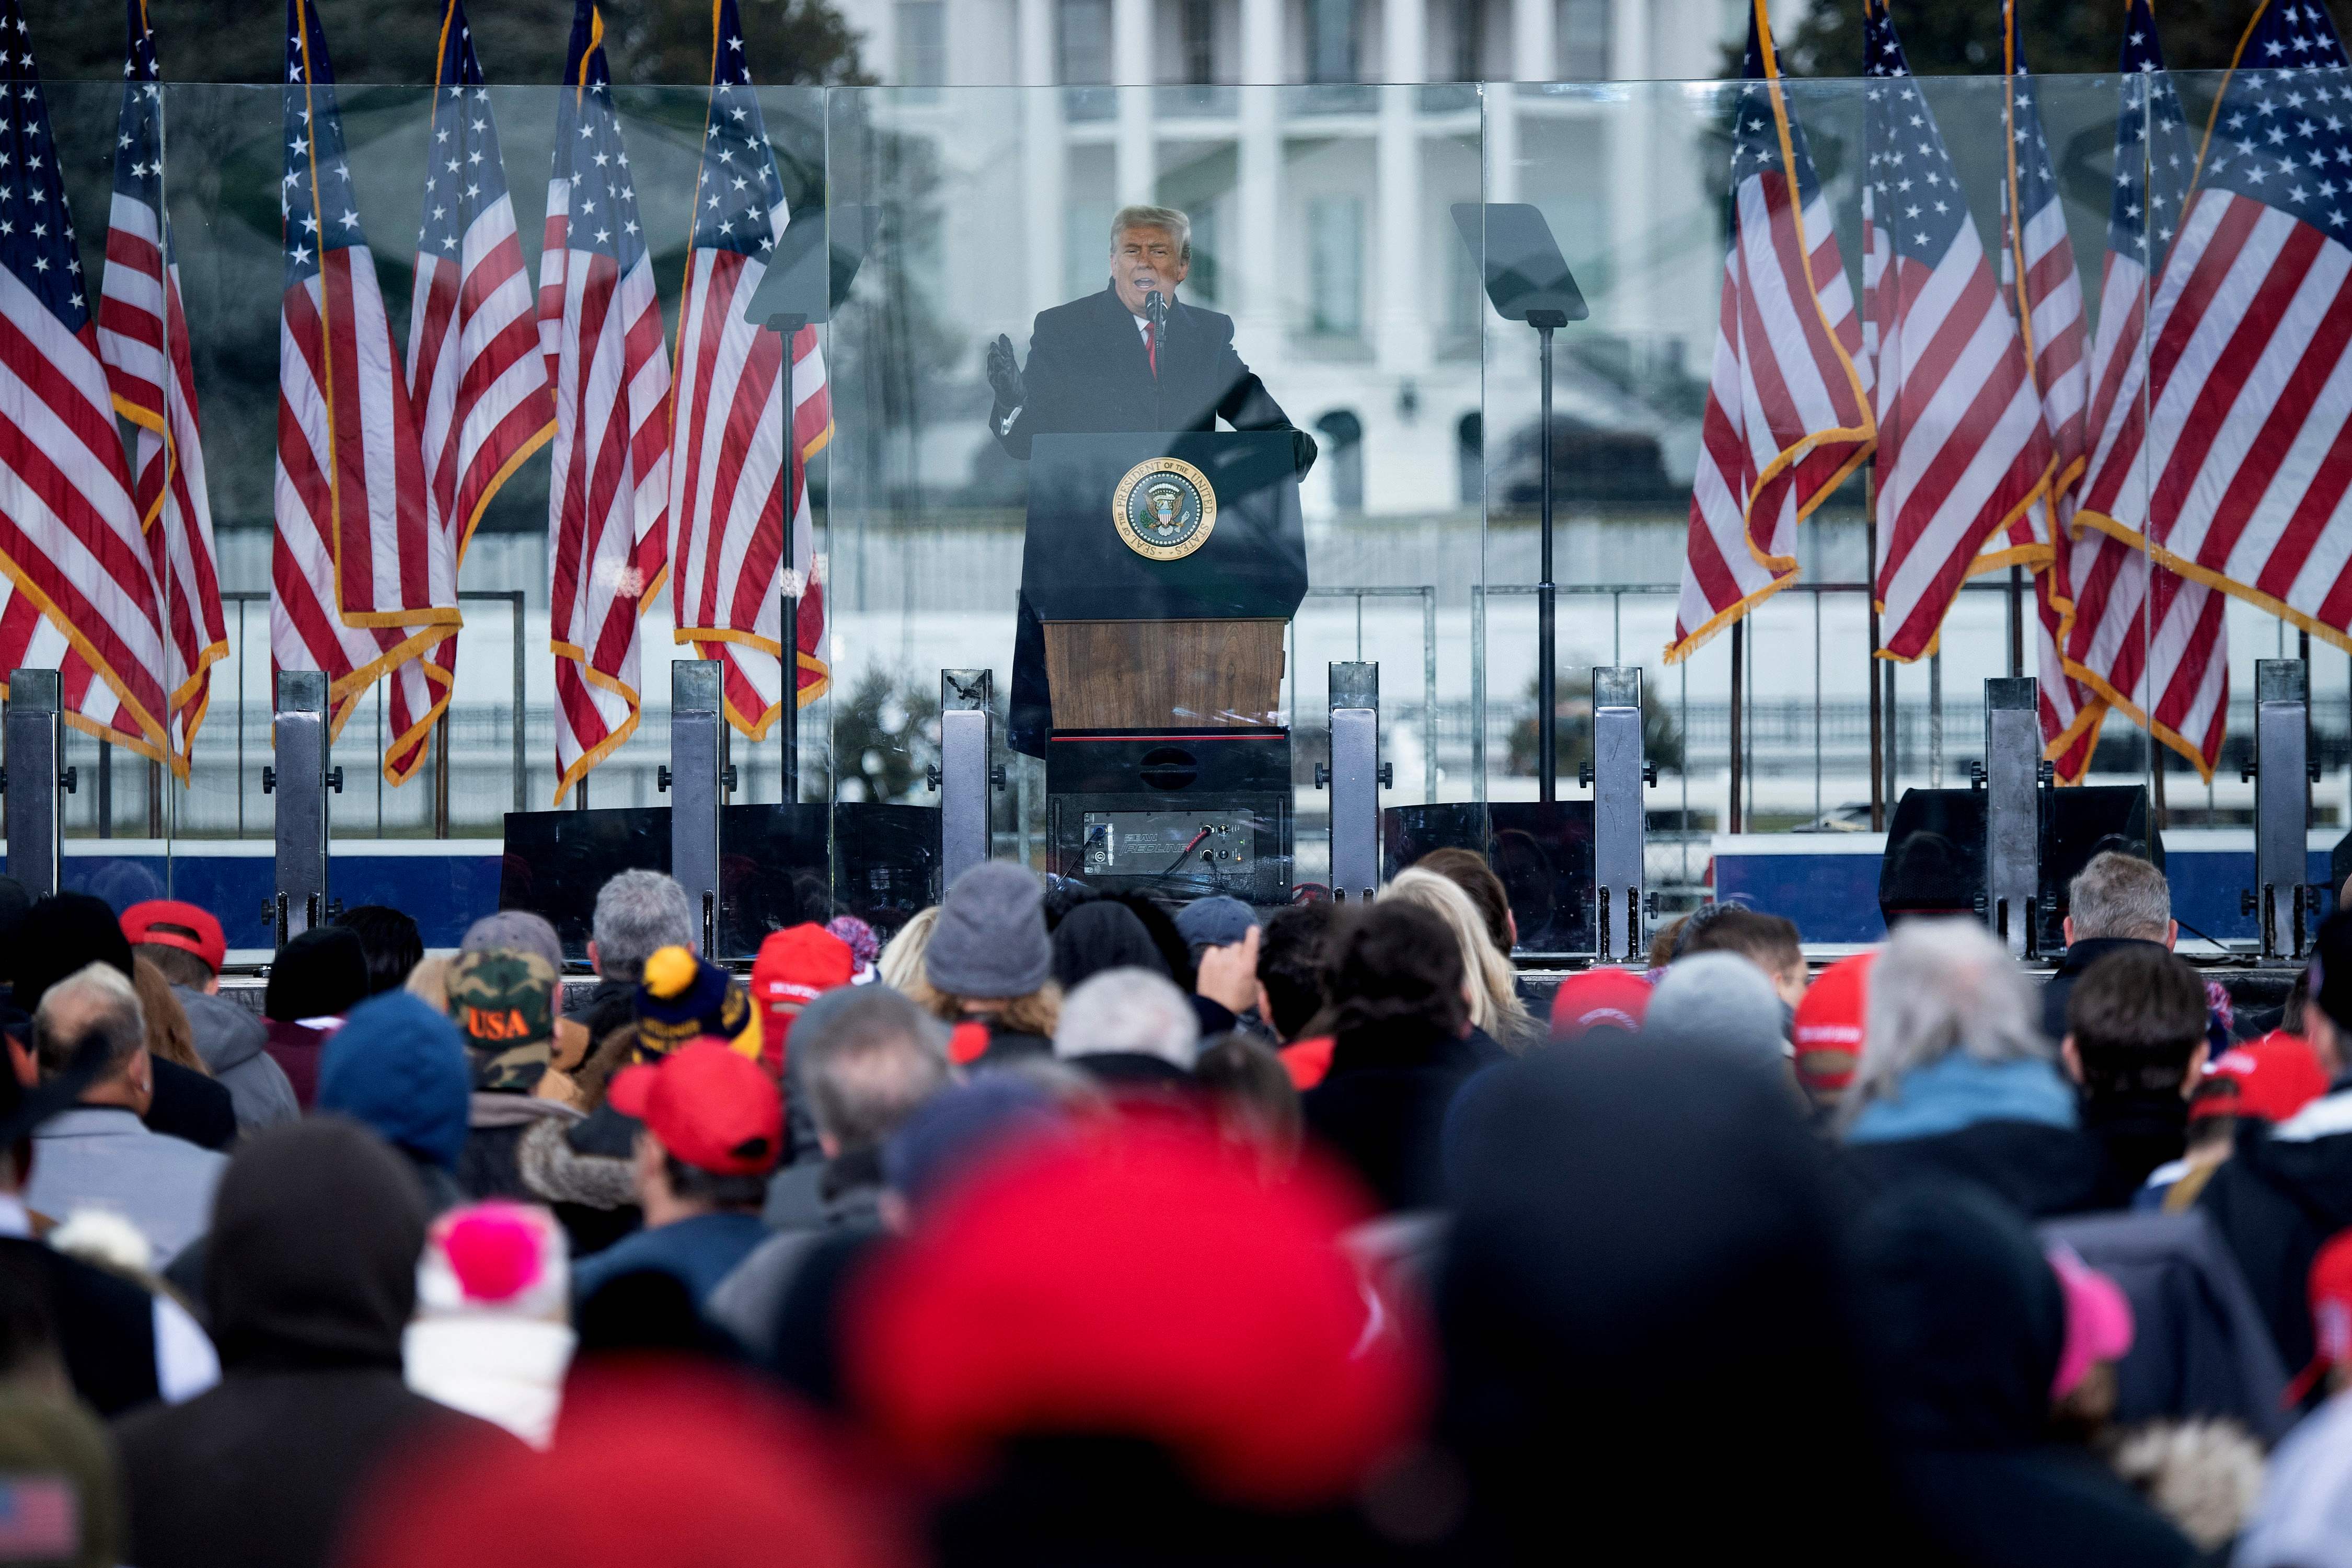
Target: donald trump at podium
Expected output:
[1132,358]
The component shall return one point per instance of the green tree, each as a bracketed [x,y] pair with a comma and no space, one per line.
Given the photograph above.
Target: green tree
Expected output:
[1962,38]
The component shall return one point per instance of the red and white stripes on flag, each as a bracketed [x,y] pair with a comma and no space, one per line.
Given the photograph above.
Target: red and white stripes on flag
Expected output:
[142,336]
[2130,618]
[1787,414]
[727,468]
[477,379]
[79,593]
[2046,295]
[1962,452]
[2238,477]
[359,584]
[608,496]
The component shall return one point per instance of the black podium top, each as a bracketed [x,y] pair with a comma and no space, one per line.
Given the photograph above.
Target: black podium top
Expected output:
[1077,566]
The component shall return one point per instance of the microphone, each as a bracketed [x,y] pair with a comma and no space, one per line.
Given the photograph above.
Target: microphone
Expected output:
[1155,309]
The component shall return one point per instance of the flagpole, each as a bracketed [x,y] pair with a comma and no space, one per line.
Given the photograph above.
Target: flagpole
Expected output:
[786,329]
[1739,646]
[1870,598]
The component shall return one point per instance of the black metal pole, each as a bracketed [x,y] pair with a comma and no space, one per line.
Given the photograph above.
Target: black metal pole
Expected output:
[786,329]
[1547,675]
[1870,597]
[1732,816]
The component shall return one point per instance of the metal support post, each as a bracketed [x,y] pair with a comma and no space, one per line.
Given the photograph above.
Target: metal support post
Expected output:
[1356,775]
[1618,775]
[2281,772]
[694,779]
[300,779]
[36,735]
[968,774]
[2010,777]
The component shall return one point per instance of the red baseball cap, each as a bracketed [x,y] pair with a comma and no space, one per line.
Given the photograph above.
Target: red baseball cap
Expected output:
[2271,1078]
[1830,1022]
[712,1106]
[794,966]
[1598,999]
[2331,1314]
[174,923]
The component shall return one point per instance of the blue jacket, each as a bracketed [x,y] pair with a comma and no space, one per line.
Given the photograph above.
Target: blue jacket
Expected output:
[701,1252]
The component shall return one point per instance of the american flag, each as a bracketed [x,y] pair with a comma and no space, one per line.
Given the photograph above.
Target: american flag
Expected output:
[2129,617]
[727,471]
[142,336]
[2037,267]
[359,584]
[2238,479]
[608,499]
[1787,414]
[79,592]
[1962,454]
[477,379]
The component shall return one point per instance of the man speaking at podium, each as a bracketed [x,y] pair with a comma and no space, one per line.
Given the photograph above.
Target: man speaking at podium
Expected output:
[1129,359]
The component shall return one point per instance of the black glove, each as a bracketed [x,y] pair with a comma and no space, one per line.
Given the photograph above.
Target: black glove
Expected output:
[1004,375]
[1302,451]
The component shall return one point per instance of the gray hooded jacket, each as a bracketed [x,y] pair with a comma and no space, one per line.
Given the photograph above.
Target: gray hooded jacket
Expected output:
[230,1039]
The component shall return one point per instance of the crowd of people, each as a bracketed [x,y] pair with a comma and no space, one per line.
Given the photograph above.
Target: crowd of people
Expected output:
[1067,1229]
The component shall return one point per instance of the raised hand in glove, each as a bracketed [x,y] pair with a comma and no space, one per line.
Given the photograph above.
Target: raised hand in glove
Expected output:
[1302,451]
[1004,375]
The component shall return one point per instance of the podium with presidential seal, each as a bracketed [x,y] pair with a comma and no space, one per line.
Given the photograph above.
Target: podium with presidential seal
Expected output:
[1165,570]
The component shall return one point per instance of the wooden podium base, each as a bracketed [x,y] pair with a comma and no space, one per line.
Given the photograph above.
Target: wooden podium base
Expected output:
[1157,674]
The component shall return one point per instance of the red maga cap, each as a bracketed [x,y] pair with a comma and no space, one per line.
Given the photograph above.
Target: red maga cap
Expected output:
[713,1108]
[1830,1022]
[1598,999]
[173,922]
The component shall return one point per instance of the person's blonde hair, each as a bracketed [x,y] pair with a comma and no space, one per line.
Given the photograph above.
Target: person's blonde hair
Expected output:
[169,1033]
[1495,1004]
[901,963]
[429,982]
[1039,1013]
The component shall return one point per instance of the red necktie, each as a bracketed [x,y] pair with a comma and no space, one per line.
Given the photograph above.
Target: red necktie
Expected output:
[1152,346]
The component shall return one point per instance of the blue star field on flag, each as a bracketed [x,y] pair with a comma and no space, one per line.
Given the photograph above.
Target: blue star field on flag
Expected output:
[603,211]
[140,130]
[2284,137]
[315,196]
[741,195]
[2155,156]
[2297,37]
[467,175]
[36,232]
[1755,139]
[1918,196]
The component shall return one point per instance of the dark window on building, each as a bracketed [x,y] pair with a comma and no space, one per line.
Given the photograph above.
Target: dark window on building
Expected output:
[1343,450]
[1332,42]
[1086,41]
[1200,23]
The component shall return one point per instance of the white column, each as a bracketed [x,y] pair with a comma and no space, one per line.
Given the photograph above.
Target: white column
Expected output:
[1131,67]
[1045,154]
[1257,271]
[1401,327]
[1535,48]
[1631,141]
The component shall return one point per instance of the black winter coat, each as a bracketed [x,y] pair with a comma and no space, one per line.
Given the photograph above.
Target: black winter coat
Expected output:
[312,1278]
[2281,1193]
[1382,1108]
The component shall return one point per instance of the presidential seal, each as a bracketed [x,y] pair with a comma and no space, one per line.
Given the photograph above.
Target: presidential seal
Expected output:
[1164,510]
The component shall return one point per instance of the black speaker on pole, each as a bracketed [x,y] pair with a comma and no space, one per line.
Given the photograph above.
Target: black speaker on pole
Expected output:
[1935,862]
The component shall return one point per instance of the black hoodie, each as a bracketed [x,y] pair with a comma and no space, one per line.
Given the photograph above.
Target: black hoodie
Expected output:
[1648,1352]
[2283,1191]
[1964,1321]
[312,1279]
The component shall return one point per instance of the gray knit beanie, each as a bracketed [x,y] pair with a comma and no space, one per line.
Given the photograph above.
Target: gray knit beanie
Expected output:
[1718,999]
[991,940]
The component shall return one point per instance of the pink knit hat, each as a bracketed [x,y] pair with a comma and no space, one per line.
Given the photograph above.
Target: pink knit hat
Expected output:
[2098,1319]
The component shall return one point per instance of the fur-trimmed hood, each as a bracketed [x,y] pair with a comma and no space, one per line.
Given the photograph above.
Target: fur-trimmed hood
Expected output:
[555,1171]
